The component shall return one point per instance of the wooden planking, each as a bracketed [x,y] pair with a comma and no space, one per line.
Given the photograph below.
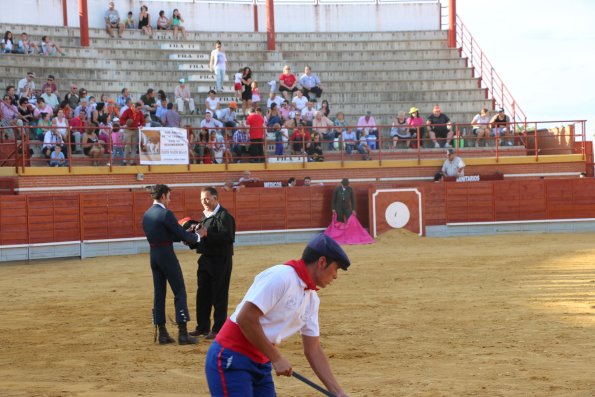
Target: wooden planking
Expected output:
[13,220]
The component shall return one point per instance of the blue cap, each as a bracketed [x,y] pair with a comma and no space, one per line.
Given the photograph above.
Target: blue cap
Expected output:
[326,246]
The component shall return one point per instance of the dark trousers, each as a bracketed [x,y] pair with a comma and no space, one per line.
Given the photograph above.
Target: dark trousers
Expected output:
[213,277]
[166,268]
[257,150]
[315,90]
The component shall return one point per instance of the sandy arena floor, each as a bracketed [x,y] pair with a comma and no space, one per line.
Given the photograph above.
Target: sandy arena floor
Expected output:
[483,316]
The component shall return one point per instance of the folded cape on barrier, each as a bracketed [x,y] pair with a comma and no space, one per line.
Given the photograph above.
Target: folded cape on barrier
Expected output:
[352,232]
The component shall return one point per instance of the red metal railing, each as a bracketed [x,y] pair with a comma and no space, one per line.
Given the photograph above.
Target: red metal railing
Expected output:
[488,77]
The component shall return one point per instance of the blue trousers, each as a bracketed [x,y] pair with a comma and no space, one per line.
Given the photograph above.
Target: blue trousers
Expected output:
[231,374]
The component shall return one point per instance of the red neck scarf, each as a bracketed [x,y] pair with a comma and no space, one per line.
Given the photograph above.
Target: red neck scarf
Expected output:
[302,271]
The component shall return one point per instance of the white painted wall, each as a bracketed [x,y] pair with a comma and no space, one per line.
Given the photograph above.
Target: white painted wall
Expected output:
[240,17]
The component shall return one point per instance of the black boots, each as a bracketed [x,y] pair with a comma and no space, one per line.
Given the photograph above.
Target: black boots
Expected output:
[164,337]
[183,337]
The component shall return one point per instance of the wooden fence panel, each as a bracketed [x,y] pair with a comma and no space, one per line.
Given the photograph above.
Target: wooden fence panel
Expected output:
[13,220]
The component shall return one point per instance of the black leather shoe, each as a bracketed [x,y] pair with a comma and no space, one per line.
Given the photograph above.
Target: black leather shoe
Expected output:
[165,339]
[197,332]
[185,339]
[211,335]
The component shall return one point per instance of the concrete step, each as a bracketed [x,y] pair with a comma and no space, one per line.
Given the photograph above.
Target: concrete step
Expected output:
[365,45]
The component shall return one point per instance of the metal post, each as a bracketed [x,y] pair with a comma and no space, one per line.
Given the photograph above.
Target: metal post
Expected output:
[65,12]
[255,10]
[270,8]
[84,18]
[452,23]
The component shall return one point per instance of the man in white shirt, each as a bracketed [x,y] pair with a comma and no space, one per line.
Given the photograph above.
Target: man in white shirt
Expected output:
[281,301]
[218,64]
[182,95]
[453,165]
[210,123]
[274,98]
[26,86]
[310,83]
[308,113]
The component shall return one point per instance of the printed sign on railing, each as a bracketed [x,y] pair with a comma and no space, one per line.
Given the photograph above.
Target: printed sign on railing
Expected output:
[163,145]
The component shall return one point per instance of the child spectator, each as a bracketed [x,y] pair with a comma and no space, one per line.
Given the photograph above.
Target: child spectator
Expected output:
[7,43]
[237,84]
[255,94]
[129,23]
[117,142]
[57,158]
[48,47]
[26,46]
[162,21]
[176,22]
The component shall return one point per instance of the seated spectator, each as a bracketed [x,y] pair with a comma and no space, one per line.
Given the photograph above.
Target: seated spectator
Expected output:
[57,158]
[26,111]
[112,20]
[123,98]
[481,127]
[150,104]
[10,116]
[367,123]
[111,109]
[171,118]
[310,84]
[241,143]
[26,86]
[453,165]
[324,127]
[68,112]
[182,96]
[200,139]
[78,125]
[256,97]
[350,141]
[300,101]
[72,97]
[11,93]
[440,128]
[248,178]
[42,107]
[284,111]
[501,127]
[307,181]
[300,140]
[177,24]
[400,131]
[8,46]
[52,84]
[51,140]
[308,113]
[82,107]
[416,123]
[212,103]
[26,46]
[162,21]
[273,117]
[129,23]
[144,21]
[48,47]
[291,182]
[363,146]
[92,146]
[60,124]
[315,150]
[325,108]
[274,98]
[210,123]
[51,99]
[228,115]
[281,136]
[229,186]
[43,124]
[287,83]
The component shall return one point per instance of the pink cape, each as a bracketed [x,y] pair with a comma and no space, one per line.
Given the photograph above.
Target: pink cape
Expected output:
[351,232]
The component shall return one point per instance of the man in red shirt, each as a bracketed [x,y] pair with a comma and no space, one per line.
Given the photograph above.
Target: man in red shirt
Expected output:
[78,125]
[256,123]
[132,119]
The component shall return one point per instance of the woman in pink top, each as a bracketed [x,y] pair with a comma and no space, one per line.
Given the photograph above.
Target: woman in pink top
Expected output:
[415,123]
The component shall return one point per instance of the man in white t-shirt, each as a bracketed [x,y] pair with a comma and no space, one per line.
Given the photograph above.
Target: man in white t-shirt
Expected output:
[281,301]
[274,98]
[299,100]
[26,86]
[218,64]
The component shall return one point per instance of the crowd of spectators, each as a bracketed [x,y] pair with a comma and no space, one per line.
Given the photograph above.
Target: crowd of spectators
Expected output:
[113,22]
[25,46]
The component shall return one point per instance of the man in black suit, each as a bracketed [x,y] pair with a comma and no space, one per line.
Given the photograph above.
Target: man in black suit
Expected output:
[162,229]
[217,231]
[343,202]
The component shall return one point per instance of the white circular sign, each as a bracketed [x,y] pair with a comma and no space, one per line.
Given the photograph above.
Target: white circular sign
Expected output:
[397,215]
